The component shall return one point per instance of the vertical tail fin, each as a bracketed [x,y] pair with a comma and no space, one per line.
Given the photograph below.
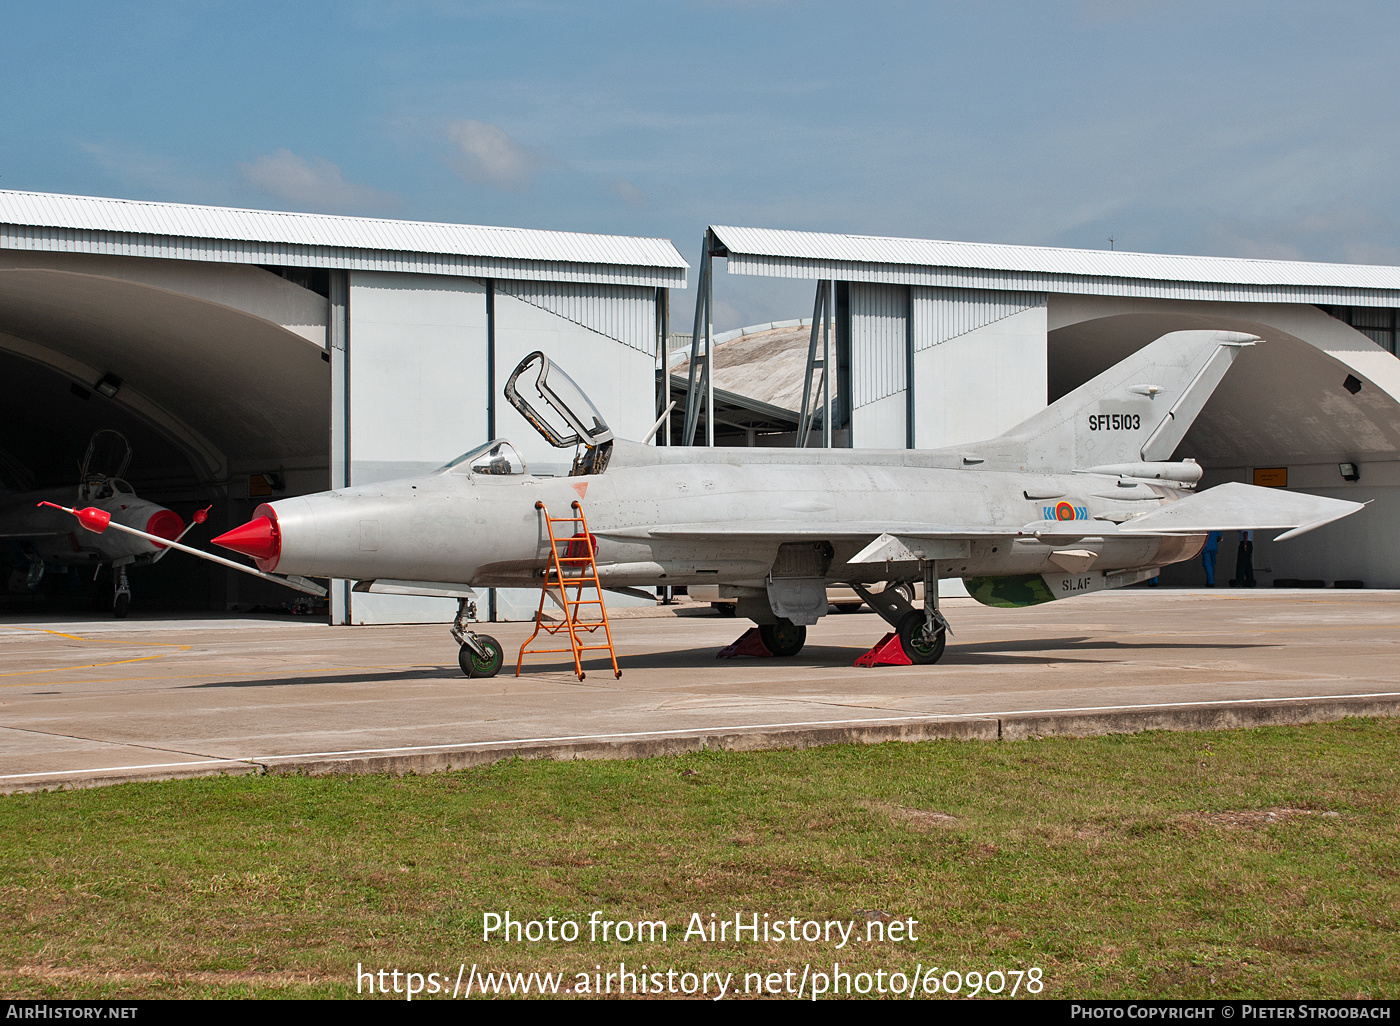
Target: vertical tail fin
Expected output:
[1136,411]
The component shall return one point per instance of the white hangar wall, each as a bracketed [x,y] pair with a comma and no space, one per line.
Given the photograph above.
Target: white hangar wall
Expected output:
[421,350]
[417,387]
[981,382]
[978,359]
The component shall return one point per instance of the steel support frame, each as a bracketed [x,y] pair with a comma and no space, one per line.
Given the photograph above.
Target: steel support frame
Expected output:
[702,363]
[338,348]
[911,409]
[663,361]
[823,305]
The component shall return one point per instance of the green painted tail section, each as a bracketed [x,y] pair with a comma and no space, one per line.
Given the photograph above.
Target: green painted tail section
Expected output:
[1009,592]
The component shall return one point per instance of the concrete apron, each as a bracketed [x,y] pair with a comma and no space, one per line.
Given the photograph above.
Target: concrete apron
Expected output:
[84,704]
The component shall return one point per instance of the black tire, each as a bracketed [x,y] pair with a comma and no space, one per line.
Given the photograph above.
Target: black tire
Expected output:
[725,608]
[784,638]
[474,665]
[121,606]
[914,639]
[847,607]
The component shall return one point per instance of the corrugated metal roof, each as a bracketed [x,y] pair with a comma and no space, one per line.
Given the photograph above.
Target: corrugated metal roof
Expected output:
[34,220]
[784,253]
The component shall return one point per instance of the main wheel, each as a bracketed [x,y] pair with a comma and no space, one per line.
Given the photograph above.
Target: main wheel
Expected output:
[474,665]
[919,643]
[783,638]
[121,606]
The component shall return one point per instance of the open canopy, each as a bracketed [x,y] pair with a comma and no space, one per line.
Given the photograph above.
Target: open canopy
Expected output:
[560,411]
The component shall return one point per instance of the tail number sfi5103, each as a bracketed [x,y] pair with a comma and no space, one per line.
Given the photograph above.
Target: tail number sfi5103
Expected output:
[1115,421]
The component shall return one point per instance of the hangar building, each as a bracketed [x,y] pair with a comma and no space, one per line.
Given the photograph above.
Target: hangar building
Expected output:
[253,354]
[940,343]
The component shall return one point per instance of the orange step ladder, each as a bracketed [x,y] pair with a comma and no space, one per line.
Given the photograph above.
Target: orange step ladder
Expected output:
[573,567]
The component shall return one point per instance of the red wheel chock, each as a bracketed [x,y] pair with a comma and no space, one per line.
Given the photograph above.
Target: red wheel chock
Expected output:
[887,652]
[748,644]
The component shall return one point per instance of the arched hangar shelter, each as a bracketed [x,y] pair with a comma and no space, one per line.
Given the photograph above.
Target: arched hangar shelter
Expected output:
[250,354]
[939,343]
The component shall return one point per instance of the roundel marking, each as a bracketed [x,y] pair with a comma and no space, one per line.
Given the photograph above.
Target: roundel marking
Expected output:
[1064,511]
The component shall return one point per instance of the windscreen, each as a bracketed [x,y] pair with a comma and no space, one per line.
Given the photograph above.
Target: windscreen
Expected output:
[496,458]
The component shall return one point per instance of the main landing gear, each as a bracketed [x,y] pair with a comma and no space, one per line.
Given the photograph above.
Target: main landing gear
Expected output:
[480,655]
[783,638]
[923,633]
[922,643]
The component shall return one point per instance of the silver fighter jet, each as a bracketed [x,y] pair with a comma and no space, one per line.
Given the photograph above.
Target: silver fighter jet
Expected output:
[1077,499]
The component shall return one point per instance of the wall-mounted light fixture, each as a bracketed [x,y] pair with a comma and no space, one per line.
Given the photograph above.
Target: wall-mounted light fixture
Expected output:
[109,385]
[1350,471]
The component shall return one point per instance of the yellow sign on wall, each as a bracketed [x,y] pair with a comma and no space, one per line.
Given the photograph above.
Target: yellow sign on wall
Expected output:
[1271,477]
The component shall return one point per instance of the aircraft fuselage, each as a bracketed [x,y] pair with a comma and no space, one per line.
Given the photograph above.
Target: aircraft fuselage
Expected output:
[681,523]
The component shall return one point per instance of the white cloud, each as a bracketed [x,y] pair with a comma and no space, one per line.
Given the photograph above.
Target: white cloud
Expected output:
[1345,231]
[628,193]
[491,156]
[316,184]
[169,177]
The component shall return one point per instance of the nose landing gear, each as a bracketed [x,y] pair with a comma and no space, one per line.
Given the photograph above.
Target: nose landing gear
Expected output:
[121,592]
[480,655]
[483,661]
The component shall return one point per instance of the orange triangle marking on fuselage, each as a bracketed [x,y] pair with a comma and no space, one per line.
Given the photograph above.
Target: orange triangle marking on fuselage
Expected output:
[581,487]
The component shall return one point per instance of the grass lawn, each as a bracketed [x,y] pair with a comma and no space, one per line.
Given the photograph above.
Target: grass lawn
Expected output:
[1251,863]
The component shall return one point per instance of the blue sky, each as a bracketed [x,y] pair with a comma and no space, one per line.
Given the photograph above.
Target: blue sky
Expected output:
[1235,128]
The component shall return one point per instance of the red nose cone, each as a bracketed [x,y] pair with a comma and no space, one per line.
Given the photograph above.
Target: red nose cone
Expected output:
[258,538]
[165,524]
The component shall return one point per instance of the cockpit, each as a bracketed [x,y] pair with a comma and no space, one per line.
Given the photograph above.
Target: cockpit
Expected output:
[560,411]
[100,474]
[496,458]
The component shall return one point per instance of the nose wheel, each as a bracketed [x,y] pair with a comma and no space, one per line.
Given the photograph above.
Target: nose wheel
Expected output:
[480,655]
[483,663]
